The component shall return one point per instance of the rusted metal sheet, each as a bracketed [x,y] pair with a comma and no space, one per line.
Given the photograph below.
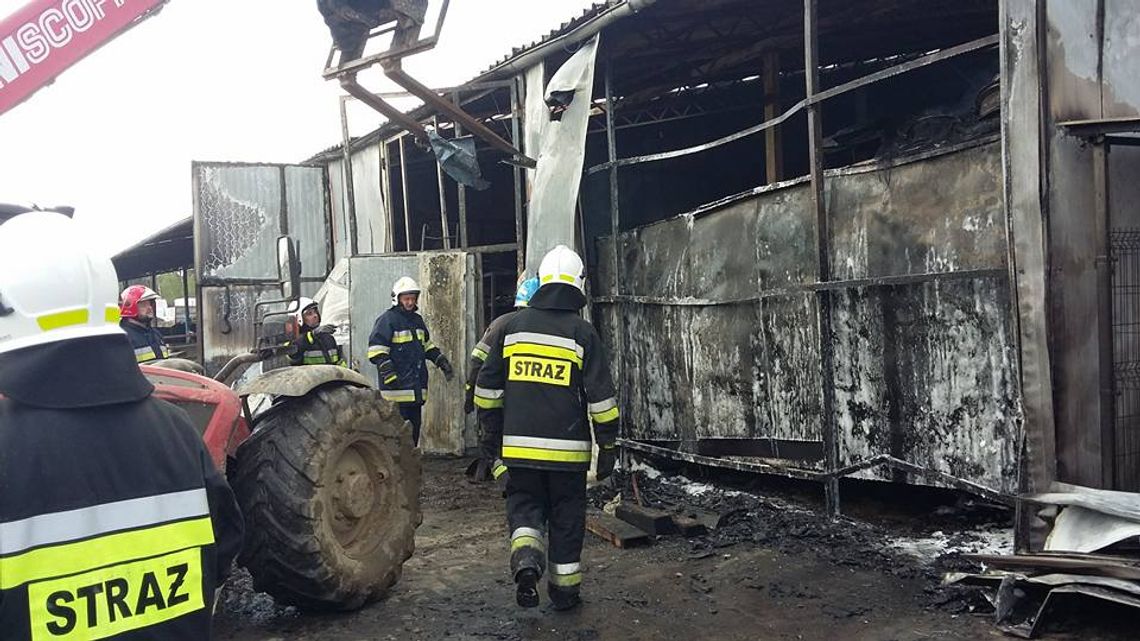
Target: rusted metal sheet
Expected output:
[925,373]
[925,367]
[228,321]
[912,221]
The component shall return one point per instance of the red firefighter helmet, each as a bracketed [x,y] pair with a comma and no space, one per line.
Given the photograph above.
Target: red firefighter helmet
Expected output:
[130,298]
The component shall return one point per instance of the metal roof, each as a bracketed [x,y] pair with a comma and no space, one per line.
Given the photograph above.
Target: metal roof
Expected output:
[669,45]
[168,250]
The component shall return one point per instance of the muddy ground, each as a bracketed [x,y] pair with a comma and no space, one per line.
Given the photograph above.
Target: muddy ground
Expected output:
[773,570]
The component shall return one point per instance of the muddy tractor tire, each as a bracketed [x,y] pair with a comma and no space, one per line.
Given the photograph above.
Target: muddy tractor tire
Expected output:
[329,487]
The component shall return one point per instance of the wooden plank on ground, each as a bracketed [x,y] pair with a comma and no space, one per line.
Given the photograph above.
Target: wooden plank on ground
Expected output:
[688,526]
[616,531]
[651,520]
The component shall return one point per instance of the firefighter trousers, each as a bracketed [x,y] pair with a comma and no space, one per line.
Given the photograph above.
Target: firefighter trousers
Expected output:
[542,504]
[413,413]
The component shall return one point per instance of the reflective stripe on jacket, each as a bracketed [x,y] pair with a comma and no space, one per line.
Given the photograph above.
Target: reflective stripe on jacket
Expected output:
[146,341]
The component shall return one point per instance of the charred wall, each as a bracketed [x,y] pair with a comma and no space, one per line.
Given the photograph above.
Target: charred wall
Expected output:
[716,316]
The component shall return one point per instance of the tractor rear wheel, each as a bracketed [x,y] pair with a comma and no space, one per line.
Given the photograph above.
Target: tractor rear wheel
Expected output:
[329,487]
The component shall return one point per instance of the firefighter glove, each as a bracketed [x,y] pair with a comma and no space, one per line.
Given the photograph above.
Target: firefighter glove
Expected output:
[444,366]
[468,400]
[387,372]
[607,459]
[501,474]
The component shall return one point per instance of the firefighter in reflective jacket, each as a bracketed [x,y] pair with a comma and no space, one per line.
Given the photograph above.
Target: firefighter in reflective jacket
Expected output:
[316,346]
[543,383]
[137,309]
[114,522]
[399,345]
[526,289]
[481,469]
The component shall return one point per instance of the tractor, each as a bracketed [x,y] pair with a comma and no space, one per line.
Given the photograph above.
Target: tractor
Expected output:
[325,473]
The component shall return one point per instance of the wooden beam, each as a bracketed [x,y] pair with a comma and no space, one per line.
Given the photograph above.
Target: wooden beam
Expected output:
[616,531]
[652,520]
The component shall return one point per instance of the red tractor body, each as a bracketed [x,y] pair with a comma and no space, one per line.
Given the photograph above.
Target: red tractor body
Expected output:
[213,407]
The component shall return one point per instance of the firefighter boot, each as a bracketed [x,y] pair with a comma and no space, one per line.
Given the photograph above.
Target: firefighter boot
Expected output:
[563,598]
[526,588]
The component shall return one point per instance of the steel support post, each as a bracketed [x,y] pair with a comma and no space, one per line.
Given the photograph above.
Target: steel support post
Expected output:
[823,245]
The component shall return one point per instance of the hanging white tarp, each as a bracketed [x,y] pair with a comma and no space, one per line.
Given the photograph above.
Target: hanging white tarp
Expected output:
[554,197]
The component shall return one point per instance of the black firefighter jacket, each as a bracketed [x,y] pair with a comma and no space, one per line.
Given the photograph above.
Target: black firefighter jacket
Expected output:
[146,341]
[544,381]
[315,348]
[114,523]
[402,338]
[493,335]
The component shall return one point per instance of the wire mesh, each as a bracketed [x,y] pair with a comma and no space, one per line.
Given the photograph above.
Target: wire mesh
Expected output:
[1125,250]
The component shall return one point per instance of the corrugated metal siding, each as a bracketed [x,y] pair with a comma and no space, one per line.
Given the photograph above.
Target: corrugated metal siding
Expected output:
[371,217]
[308,220]
[240,210]
[238,220]
[339,211]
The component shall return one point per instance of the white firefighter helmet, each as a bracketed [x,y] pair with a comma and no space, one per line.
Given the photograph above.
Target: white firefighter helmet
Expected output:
[562,265]
[53,287]
[302,305]
[405,285]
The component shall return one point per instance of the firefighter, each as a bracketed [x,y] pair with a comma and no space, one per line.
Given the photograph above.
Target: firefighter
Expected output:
[545,380]
[481,468]
[316,346]
[399,345]
[114,522]
[137,309]
[526,288]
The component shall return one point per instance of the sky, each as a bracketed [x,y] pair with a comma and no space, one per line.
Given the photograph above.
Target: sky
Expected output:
[215,80]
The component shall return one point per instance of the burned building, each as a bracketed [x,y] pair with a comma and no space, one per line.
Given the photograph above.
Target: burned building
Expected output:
[867,238]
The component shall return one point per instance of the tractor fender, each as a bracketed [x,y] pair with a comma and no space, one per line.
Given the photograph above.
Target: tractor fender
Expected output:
[300,380]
